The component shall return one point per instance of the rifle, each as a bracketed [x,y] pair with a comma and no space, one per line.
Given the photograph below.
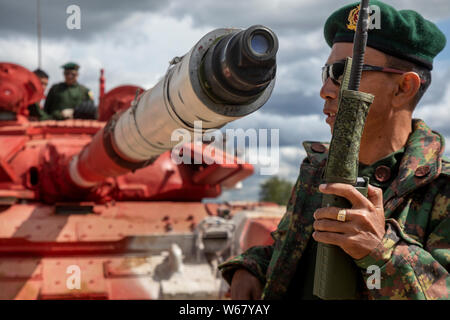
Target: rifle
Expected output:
[336,275]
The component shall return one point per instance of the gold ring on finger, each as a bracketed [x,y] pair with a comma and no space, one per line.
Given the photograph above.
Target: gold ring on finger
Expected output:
[341,215]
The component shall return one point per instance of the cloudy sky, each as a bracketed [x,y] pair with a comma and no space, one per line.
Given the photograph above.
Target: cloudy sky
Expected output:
[134,41]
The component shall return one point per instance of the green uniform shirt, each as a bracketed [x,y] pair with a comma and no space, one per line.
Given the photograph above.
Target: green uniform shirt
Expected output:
[62,96]
[36,113]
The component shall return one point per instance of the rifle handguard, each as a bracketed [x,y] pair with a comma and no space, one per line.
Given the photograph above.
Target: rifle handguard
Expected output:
[342,163]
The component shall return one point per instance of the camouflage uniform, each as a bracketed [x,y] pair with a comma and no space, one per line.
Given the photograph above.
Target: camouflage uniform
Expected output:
[414,255]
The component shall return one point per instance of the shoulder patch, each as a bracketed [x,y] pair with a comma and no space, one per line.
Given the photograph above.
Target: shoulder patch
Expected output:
[316,151]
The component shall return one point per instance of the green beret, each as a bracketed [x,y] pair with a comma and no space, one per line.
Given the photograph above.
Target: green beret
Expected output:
[404,34]
[70,66]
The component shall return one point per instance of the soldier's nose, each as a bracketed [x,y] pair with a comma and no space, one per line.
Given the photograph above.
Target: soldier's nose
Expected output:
[329,90]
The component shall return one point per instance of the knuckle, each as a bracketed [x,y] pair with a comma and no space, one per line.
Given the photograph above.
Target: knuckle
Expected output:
[323,236]
[372,208]
[349,189]
[378,191]
[361,215]
[319,213]
[316,213]
[351,242]
[351,226]
[329,224]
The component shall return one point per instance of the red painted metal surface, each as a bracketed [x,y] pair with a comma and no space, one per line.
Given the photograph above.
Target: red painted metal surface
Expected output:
[224,169]
[101,86]
[257,232]
[116,100]
[19,88]
[110,245]
[113,231]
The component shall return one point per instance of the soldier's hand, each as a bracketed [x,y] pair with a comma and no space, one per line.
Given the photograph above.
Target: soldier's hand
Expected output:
[245,286]
[67,113]
[364,225]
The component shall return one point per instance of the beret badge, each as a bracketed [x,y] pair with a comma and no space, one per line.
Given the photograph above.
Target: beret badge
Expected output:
[353,18]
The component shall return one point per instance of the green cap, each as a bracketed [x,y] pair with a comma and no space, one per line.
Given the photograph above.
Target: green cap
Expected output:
[404,34]
[70,66]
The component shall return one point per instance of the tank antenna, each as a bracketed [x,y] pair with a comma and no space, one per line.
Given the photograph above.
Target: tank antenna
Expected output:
[38,20]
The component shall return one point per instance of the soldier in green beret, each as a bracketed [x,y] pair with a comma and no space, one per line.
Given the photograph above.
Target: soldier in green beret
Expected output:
[64,97]
[402,228]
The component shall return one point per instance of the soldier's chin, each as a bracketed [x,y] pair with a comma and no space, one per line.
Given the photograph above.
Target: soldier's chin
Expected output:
[330,121]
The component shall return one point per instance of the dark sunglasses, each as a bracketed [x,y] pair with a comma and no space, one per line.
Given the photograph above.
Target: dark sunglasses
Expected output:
[335,71]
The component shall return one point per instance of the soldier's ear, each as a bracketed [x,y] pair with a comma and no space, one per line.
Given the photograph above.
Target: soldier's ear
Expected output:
[408,85]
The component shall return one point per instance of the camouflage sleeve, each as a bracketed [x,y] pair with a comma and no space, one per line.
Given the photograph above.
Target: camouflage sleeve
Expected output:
[255,260]
[56,115]
[414,270]
[43,115]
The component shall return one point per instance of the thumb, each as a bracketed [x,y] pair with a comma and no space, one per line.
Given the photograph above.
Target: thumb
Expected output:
[375,195]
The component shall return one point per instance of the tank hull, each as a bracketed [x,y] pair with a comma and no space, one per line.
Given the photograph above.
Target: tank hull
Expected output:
[116,251]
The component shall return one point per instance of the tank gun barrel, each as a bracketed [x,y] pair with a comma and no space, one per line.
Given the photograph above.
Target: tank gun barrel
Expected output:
[227,75]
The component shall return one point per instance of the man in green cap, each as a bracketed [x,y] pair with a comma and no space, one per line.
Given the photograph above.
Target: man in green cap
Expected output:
[64,97]
[402,228]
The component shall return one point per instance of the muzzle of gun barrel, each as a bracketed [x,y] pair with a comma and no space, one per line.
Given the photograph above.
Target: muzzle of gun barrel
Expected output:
[241,65]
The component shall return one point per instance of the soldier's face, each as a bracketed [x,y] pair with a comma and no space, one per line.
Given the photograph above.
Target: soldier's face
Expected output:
[70,76]
[380,84]
[44,82]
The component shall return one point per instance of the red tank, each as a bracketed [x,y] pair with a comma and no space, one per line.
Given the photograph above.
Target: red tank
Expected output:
[98,209]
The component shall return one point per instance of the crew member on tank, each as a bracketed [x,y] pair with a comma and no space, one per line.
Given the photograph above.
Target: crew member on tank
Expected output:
[64,97]
[35,111]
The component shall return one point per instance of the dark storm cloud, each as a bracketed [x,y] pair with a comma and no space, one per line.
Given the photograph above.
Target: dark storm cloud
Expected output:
[19,16]
[278,16]
[289,16]
[294,103]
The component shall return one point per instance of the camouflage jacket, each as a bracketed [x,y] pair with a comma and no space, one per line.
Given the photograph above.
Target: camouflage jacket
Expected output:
[414,255]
